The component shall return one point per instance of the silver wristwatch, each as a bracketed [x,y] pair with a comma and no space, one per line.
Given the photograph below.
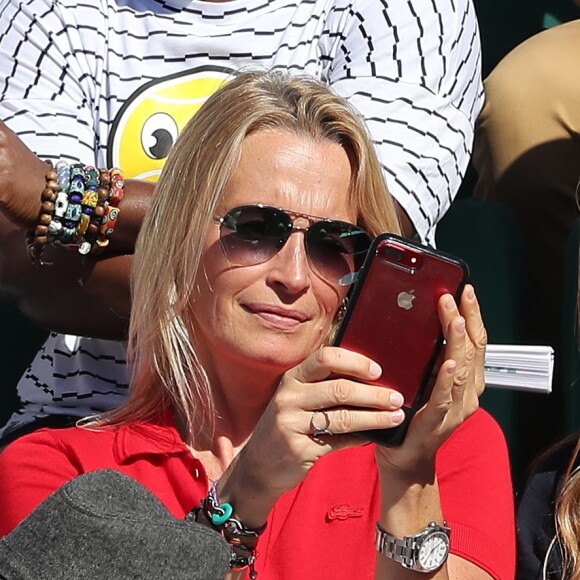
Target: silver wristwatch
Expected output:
[424,552]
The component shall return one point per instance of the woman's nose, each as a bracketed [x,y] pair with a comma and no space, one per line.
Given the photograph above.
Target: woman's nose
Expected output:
[290,266]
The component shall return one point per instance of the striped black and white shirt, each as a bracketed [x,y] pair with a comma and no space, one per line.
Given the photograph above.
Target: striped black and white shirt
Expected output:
[112,82]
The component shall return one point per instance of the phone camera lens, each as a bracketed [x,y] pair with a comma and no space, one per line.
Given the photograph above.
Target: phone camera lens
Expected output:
[393,254]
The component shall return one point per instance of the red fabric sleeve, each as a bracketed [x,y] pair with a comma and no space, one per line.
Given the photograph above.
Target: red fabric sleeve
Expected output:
[31,469]
[476,490]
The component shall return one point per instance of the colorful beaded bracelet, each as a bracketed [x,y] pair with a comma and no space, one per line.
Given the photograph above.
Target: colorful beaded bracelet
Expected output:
[89,203]
[61,204]
[103,192]
[112,210]
[79,209]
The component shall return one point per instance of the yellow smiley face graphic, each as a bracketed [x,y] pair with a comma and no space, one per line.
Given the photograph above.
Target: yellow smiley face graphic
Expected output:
[149,122]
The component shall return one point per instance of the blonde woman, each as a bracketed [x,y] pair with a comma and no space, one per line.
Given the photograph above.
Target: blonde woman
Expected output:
[239,412]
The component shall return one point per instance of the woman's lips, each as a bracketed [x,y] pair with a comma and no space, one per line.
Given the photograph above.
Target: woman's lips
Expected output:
[276,316]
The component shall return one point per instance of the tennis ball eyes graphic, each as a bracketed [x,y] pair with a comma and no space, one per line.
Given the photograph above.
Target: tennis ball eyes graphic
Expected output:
[151,119]
[158,135]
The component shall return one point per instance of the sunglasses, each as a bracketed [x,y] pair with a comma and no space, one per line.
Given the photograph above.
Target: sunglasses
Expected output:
[253,234]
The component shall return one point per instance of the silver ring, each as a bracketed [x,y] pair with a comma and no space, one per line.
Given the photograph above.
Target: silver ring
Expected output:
[318,431]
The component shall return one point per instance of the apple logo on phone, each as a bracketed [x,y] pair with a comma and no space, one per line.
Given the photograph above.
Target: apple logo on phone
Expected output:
[405,300]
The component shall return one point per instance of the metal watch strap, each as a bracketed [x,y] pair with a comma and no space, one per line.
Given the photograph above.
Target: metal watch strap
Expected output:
[402,550]
[398,549]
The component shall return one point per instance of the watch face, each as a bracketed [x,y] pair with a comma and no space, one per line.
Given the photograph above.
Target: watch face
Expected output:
[433,551]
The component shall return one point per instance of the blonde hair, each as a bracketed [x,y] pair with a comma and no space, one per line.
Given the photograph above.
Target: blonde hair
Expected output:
[567,514]
[166,368]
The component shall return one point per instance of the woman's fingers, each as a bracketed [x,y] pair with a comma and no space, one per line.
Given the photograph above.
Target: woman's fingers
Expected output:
[332,386]
[341,392]
[455,378]
[454,330]
[477,336]
[333,360]
[350,406]
[460,381]
[344,421]
[336,377]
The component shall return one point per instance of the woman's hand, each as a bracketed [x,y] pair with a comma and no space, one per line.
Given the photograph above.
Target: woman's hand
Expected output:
[283,447]
[22,179]
[455,397]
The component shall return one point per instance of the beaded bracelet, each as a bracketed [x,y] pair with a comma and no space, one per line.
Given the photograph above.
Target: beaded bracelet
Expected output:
[72,216]
[79,209]
[61,203]
[98,216]
[111,210]
[89,203]
[37,239]
[242,539]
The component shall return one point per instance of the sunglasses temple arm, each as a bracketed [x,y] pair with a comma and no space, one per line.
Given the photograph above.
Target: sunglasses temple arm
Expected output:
[348,279]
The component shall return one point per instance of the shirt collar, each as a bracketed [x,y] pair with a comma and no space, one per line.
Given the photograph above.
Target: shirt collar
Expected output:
[157,436]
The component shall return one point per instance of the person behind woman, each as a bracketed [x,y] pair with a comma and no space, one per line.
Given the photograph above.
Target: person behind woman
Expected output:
[235,389]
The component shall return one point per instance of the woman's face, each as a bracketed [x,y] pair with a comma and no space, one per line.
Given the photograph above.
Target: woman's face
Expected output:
[276,313]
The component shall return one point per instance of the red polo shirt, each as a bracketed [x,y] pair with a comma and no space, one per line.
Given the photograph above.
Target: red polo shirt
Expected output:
[323,528]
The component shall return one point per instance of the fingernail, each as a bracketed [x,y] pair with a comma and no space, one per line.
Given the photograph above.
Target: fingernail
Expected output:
[397,399]
[451,368]
[450,303]
[470,292]
[397,416]
[376,370]
[460,327]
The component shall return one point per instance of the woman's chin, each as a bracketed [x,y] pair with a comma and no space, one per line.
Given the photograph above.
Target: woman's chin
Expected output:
[278,355]
[280,360]
[266,350]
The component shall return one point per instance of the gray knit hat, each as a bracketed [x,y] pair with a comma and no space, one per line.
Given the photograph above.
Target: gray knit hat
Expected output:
[105,526]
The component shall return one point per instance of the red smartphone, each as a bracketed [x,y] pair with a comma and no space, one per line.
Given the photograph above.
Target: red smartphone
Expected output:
[392,318]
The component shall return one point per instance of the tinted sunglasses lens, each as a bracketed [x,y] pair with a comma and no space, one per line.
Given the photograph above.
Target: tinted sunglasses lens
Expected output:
[336,250]
[252,234]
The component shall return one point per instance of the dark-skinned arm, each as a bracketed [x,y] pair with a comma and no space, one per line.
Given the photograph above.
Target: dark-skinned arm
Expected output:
[76,294]
[80,295]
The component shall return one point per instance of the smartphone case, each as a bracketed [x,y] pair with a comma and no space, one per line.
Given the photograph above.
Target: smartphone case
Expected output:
[392,318]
